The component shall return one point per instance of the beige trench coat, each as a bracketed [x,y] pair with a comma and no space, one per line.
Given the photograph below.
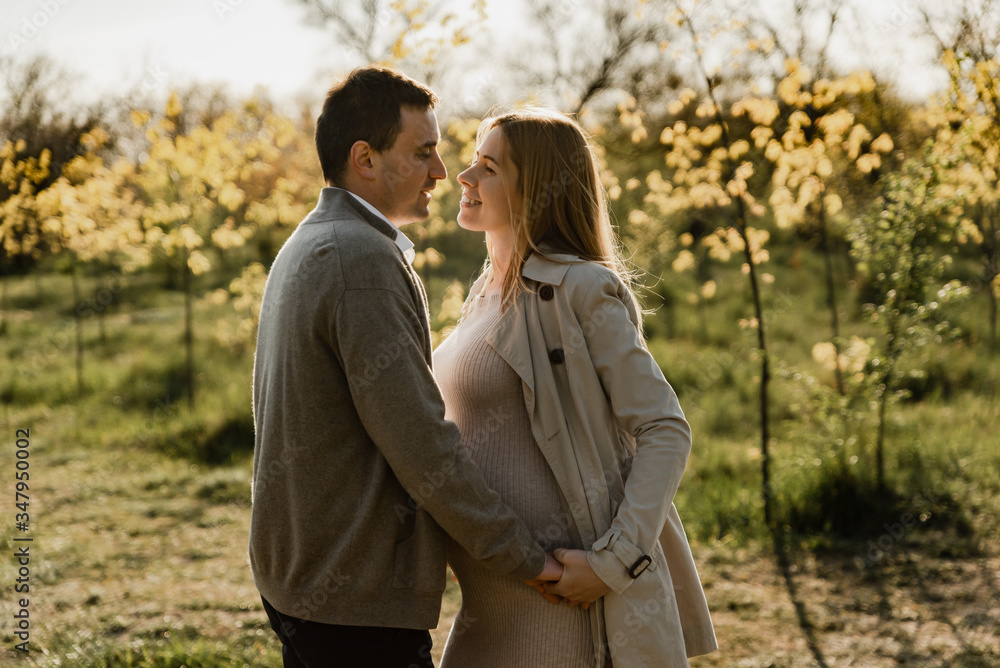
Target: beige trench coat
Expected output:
[613,432]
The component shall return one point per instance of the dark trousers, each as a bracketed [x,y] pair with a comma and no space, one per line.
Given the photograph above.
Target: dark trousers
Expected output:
[306,644]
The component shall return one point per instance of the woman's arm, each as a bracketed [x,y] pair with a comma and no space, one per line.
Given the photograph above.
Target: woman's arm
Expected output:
[647,407]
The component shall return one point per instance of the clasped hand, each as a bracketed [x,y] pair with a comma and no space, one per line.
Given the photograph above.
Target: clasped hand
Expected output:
[567,576]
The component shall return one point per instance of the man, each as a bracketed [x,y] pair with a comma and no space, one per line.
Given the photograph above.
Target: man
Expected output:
[357,477]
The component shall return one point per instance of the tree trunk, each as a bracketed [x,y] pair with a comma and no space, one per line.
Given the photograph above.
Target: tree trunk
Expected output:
[79,333]
[3,292]
[703,316]
[994,343]
[880,438]
[991,266]
[765,372]
[831,298]
[892,351]
[669,314]
[99,307]
[188,333]
[741,224]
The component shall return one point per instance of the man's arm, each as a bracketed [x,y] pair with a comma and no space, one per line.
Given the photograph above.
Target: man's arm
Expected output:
[378,336]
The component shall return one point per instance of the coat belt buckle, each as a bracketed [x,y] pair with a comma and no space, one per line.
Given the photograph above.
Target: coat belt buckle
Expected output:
[640,565]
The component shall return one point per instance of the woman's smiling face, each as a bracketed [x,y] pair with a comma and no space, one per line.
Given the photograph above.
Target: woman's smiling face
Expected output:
[489,189]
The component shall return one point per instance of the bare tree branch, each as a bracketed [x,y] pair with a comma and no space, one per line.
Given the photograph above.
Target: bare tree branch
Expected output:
[371,28]
[803,15]
[967,26]
[604,53]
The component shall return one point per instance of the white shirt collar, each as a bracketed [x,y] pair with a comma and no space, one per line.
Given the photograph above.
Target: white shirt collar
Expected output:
[402,241]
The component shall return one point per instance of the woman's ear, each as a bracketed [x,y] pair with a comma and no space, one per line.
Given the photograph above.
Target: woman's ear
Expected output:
[361,160]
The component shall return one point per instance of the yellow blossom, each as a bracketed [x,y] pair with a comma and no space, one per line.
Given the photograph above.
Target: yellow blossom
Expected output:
[638,217]
[836,123]
[883,144]
[738,149]
[684,261]
[859,134]
[825,354]
[868,162]
[833,204]
[198,263]
[173,109]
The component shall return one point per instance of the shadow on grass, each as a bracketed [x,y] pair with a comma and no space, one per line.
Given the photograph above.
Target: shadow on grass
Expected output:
[844,505]
[156,389]
[172,428]
[781,551]
[925,583]
[225,442]
[917,593]
[846,516]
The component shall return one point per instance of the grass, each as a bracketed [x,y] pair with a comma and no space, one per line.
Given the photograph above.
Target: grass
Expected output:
[140,502]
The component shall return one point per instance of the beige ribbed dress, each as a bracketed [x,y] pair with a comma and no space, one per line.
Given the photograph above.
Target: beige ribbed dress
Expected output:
[504,623]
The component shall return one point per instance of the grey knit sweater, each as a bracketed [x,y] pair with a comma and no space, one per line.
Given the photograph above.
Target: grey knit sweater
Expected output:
[356,475]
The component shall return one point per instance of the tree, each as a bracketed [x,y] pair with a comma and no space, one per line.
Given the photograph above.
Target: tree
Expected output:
[968,126]
[799,31]
[40,132]
[820,140]
[967,36]
[969,28]
[194,187]
[896,246]
[90,214]
[591,49]
[711,172]
[412,35]
[21,177]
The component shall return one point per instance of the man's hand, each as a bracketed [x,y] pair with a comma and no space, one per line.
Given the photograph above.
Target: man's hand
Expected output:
[551,572]
[579,584]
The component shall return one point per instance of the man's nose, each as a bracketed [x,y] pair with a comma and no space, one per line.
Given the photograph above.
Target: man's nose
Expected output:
[438,171]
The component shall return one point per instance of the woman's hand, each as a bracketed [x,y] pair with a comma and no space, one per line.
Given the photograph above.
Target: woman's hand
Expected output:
[579,584]
[551,572]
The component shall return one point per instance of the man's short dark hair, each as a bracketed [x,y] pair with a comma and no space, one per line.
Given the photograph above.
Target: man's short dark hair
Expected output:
[366,106]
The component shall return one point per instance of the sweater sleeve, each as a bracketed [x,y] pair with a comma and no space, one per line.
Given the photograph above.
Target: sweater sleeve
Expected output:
[379,338]
[647,407]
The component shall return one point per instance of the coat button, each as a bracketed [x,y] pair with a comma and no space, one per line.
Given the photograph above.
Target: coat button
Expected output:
[546,292]
[557,356]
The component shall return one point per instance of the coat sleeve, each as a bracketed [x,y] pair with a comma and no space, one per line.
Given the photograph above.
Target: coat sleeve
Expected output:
[401,408]
[646,406]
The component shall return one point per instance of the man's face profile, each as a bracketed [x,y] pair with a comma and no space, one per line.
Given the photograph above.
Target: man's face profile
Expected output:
[407,172]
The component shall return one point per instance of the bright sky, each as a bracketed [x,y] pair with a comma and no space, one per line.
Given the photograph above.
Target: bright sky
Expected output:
[113,45]
[118,43]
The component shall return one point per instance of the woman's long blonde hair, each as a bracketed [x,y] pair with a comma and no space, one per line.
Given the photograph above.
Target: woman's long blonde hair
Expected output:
[564,206]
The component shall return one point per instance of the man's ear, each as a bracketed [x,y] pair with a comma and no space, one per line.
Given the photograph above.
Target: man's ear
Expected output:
[362,160]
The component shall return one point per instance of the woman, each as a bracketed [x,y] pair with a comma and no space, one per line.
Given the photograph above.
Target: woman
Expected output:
[569,418]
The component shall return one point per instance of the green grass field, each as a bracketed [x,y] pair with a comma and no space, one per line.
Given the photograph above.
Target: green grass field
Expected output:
[139,504]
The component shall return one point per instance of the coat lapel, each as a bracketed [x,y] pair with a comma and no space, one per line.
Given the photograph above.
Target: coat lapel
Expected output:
[510,339]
